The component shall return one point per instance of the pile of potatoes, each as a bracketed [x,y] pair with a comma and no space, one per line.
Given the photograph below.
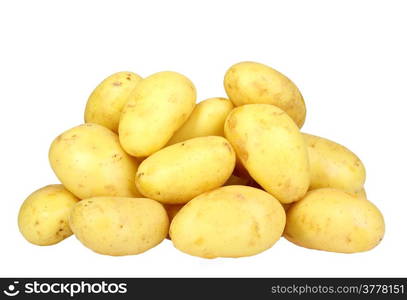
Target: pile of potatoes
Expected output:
[226,177]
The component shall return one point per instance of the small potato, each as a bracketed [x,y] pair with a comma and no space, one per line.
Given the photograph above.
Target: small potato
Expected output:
[43,217]
[180,172]
[90,162]
[255,83]
[119,226]
[207,118]
[157,107]
[106,102]
[333,165]
[333,220]
[232,221]
[271,148]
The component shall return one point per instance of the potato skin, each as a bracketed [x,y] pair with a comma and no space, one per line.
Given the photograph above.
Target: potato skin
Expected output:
[106,102]
[255,83]
[207,119]
[332,165]
[231,221]
[180,172]
[156,108]
[90,162]
[118,225]
[271,148]
[333,220]
[43,216]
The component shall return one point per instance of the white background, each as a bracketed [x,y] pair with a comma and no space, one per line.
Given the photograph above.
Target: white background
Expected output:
[347,57]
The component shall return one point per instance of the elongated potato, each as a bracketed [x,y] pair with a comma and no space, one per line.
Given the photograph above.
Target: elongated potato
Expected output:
[156,108]
[179,172]
[333,165]
[255,83]
[207,118]
[333,220]
[90,162]
[231,221]
[106,102]
[271,148]
[43,217]
[119,226]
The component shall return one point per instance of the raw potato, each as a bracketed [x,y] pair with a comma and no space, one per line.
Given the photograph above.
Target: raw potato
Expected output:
[271,148]
[156,108]
[43,217]
[207,118]
[106,102]
[179,172]
[255,83]
[333,165]
[90,162]
[231,221]
[119,226]
[332,220]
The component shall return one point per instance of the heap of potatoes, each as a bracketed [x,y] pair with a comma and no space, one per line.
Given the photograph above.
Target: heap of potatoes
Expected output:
[226,177]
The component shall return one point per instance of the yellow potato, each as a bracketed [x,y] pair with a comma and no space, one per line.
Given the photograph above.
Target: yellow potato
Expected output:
[43,217]
[157,107]
[255,83]
[118,225]
[179,172]
[271,148]
[207,118]
[89,162]
[231,221]
[106,102]
[333,165]
[332,220]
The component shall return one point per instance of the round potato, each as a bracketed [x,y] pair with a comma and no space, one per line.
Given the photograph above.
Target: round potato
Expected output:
[207,118]
[332,165]
[119,226]
[255,83]
[90,162]
[231,221]
[333,220]
[271,148]
[43,217]
[106,102]
[179,172]
[156,108]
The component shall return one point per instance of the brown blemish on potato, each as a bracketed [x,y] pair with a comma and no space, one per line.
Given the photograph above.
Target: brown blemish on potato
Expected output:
[240,196]
[227,146]
[348,239]
[117,83]
[256,229]
[232,122]
[128,78]
[37,223]
[61,222]
[182,144]
[121,226]
[199,241]
[140,174]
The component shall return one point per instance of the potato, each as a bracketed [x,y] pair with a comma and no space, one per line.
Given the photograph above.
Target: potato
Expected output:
[43,217]
[106,102]
[207,118]
[157,107]
[333,165]
[332,220]
[271,148]
[118,225]
[231,221]
[178,173]
[255,83]
[89,161]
